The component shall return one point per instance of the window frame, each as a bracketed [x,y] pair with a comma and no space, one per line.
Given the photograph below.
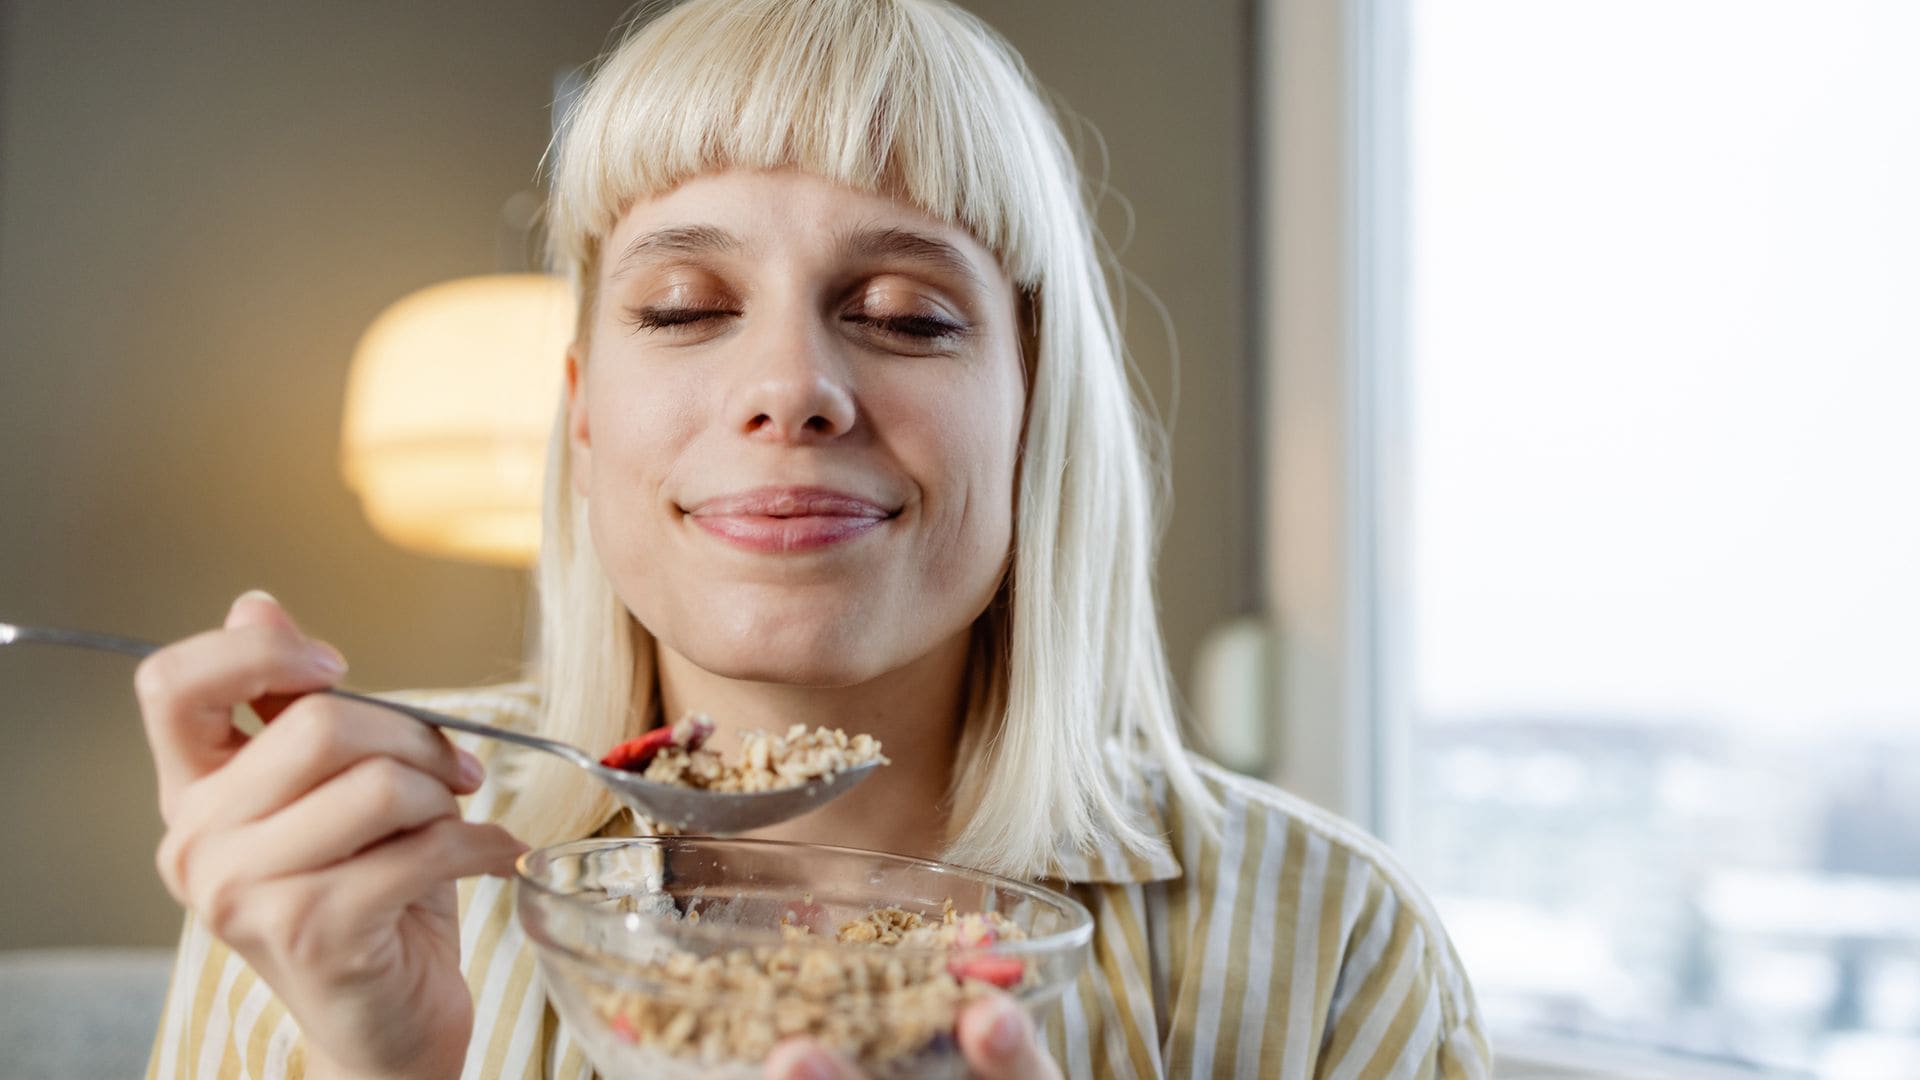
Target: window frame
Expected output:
[1330,197]
[1331,286]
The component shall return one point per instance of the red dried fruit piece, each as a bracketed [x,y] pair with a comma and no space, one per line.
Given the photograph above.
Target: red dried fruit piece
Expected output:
[1004,972]
[623,1027]
[634,754]
[698,729]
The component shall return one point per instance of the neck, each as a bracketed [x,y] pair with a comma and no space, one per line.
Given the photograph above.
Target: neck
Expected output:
[914,711]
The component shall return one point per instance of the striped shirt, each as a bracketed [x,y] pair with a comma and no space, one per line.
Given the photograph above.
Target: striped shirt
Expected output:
[1287,943]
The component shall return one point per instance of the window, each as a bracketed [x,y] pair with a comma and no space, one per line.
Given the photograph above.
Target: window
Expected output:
[1628,463]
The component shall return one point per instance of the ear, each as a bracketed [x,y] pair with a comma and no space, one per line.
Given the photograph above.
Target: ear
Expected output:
[579,435]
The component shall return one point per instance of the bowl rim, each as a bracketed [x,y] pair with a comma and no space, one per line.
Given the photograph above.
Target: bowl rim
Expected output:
[1078,934]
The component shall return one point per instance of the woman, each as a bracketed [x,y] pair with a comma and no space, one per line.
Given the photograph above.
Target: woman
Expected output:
[846,440]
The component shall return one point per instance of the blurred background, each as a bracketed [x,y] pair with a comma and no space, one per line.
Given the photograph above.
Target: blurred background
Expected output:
[1543,449]
[205,204]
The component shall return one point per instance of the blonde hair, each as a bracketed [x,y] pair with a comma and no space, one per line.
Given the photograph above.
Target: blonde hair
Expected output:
[921,101]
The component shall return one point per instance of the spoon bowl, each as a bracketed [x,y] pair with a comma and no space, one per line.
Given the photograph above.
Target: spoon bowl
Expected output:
[690,810]
[725,813]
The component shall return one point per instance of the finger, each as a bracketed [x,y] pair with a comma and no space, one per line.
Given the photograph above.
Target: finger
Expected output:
[999,1043]
[405,868]
[320,915]
[256,607]
[804,1059]
[317,739]
[368,803]
[187,692]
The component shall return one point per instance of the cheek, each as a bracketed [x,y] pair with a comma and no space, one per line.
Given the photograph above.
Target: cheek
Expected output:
[640,417]
[962,453]
[640,426]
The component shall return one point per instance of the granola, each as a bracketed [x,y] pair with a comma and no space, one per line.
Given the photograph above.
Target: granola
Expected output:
[677,754]
[889,999]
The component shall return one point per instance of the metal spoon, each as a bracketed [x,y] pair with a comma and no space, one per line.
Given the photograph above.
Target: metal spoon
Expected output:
[690,810]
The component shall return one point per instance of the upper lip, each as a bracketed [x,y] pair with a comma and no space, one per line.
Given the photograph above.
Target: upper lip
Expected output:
[781,501]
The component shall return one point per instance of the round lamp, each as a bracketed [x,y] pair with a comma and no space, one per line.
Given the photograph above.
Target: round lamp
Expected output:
[449,404]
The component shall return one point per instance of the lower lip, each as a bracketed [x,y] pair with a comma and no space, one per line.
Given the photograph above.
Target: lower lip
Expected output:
[785,534]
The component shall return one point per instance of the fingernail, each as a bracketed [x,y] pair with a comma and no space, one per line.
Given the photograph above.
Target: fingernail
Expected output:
[812,1065]
[233,609]
[471,771]
[327,659]
[1003,1038]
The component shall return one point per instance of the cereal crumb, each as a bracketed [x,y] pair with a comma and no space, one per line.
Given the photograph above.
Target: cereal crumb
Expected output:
[766,762]
[873,1004]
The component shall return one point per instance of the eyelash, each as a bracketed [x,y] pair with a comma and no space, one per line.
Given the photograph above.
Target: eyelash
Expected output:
[670,318]
[921,327]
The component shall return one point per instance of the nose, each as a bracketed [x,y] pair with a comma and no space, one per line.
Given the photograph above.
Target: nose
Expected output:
[797,390]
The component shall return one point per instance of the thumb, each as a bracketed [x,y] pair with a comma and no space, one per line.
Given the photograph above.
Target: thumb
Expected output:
[1000,1044]
[803,1059]
[257,607]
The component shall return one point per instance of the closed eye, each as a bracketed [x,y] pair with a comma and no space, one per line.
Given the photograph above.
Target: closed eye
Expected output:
[922,327]
[918,326]
[659,318]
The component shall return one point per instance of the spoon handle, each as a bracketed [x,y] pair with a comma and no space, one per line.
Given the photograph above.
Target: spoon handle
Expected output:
[82,639]
[79,639]
[471,727]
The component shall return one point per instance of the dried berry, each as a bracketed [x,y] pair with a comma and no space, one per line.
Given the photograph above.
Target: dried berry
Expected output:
[634,754]
[1004,972]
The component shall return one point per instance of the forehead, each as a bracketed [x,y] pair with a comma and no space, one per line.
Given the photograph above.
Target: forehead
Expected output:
[751,213]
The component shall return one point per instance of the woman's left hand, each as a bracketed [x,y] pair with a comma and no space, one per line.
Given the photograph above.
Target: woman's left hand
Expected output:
[995,1035]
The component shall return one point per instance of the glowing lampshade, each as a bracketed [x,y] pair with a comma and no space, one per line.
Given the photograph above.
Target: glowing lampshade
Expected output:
[449,404]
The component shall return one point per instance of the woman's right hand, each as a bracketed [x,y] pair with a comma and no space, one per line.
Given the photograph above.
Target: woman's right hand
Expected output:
[324,849]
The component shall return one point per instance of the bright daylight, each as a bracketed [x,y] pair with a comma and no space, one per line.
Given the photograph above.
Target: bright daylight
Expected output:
[1665,364]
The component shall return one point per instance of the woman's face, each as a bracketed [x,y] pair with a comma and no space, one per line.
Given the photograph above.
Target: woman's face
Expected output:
[796,426]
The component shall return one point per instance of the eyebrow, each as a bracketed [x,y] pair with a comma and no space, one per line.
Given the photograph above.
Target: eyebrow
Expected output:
[868,244]
[676,240]
[889,242]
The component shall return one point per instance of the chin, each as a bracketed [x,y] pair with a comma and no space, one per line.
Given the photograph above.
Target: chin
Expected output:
[834,636]
[787,663]
[816,644]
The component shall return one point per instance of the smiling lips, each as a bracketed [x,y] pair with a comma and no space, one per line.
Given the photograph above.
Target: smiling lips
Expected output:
[782,519]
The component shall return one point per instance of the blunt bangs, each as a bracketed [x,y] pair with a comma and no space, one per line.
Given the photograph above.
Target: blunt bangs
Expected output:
[870,94]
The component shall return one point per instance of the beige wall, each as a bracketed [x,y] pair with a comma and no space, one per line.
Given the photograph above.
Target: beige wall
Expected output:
[1168,86]
[202,204]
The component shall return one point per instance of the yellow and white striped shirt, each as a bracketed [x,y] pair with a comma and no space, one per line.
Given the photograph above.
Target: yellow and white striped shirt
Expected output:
[1289,944]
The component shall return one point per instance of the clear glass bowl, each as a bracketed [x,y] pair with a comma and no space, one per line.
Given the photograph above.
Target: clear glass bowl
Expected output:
[668,957]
